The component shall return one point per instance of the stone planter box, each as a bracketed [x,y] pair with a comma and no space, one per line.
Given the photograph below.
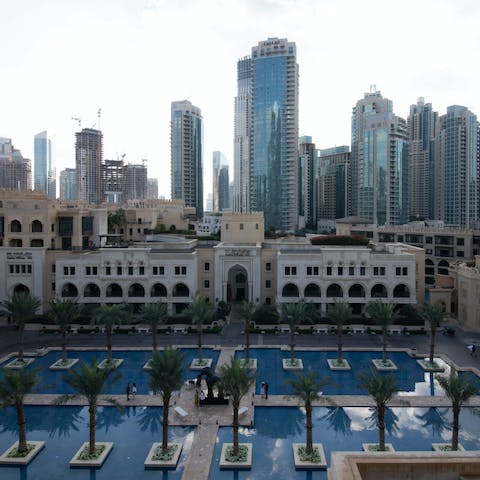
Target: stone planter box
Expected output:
[224,464]
[288,366]
[59,365]
[6,460]
[15,365]
[150,463]
[332,364]
[299,464]
[428,367]
[440,447]
[206,362]
[94,463]
[115,363]
[381,367]
[252,363]
[367,448]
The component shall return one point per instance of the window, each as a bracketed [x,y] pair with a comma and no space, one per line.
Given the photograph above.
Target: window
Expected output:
[405,271]
[363,271]
[460,253]
[268,284]
[268,267]
[90,270]
[428,239]
[339,271]
[256,226]
[206,267]
[268,300]
[460,242]
[401,271]
[206,284]
[180,270]
[130,270]
[400,238]
[241,226]
[379,271]
[429,251]
[119,270]
[351,271]
[329,271]
[69,270]
[289,271]
[141,270]
[53,268]
[158,270]
[108,270]
[312,270]
[53,286]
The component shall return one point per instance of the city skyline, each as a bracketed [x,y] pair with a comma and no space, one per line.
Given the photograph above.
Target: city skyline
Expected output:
[143,65]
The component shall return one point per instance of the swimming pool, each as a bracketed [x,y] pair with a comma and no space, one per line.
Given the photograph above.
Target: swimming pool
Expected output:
[65,428]
[345,429]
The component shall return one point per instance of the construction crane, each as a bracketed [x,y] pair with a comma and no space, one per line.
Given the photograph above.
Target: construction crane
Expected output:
[79,120]
[99,113]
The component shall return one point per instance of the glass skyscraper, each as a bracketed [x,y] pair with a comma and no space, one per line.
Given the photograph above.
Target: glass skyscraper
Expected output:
[266,122]
[44,170]
[187,154]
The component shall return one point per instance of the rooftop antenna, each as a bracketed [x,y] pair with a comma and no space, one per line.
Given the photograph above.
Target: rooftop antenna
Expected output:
[79,120]
[99,114]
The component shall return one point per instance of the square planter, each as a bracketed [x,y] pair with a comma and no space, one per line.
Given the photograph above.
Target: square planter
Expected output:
[16,365]
[225,464]
[151,462]
[333,365]
[252,364]
[196,365]
[94,463]
[446,447]
[22,461]
[305,465]
[298,365]
[370,447]
[389,366]
[115,363]
[59,365]
[430,367]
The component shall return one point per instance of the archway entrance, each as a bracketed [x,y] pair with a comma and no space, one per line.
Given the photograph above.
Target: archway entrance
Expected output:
[237,286]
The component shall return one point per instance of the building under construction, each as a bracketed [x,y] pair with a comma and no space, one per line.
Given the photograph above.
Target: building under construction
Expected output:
[15,171]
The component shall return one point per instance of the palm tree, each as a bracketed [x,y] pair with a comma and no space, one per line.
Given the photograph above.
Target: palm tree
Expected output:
[248,310]
[381,387]
[293,314]
[13,388]
[306,388]
[166,375]
[89,381]
[236,381]
[434,315]
[21,307]
[340,312]
[64,313]
[109,316]
[200,311]
[458,388]
[154,314]
[383,314]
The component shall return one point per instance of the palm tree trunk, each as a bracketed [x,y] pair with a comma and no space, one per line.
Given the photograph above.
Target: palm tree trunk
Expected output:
[166,407]
[455,427]
[309,428]
[381,426]
[91,427]
[292,345]
[22,431]
[199,331]
[432,341]
[64,346]
[235,429]
[339,338]
[247,343]
[109,345]
[21,328]
[384,352]
[154,338]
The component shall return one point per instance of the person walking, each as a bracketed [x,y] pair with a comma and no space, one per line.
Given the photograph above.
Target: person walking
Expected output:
[134,390]
[266,390]
[262,390]
[473,350]
[127,391]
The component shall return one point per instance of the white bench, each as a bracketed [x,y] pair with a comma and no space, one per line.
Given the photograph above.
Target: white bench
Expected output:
[180,411]
[144,330]
[182,330]
[317,330]
[395,330]
[242,410]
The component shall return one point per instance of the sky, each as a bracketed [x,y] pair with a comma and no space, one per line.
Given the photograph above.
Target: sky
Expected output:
[64,59]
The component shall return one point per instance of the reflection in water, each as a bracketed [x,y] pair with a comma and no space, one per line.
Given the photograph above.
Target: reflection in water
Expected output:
[391,421]
[109,417]
[291,424]
[436,419]
[93,473]
[150,419]
[338,420]
[71,417]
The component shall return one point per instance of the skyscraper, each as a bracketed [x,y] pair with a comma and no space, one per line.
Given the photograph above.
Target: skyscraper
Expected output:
[88,163]
[274,133]
[112,181]
[135,182]
[68,184]
[15,170]
[456,171]
[44,168]
[152,188]
[221,182]
[422,123]
[308,183]
[187,154]
[379,161]
[241,149]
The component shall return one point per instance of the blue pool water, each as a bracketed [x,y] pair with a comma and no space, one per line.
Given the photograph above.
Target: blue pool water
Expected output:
[64,429]
[410,377]
[131,369]
[276,428]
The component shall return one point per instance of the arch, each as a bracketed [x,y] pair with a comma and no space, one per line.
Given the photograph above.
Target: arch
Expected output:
[443,267]
[290,290]
[334,290]
[429,261]
[15,242]
[91,290]
[158,290]
[312,290]
[237,284]
[37,226]
[379,291]
[136,290]
[21,289]
[114,290]
[240,278]
[69,290]
[15,226]
[180,290]
[36,242]
[401,291]
[356,291]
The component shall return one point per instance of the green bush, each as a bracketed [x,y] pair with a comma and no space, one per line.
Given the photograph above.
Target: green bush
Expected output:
[339,240]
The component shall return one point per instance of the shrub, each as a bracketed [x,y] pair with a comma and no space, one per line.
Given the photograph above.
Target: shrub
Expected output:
[339,240]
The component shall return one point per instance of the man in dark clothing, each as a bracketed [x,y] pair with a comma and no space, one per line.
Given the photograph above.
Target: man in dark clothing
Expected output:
[266,389]
[127,391]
